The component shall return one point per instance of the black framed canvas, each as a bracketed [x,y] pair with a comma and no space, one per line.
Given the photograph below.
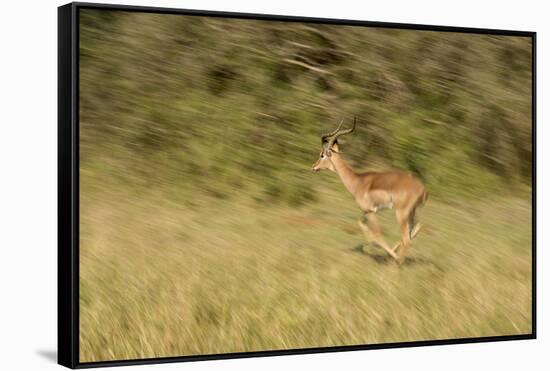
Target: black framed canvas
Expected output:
[238,185]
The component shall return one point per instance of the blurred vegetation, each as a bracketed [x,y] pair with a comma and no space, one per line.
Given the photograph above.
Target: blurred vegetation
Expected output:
[219,106]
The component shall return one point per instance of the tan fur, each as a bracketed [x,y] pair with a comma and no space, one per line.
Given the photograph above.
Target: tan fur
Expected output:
[374,191]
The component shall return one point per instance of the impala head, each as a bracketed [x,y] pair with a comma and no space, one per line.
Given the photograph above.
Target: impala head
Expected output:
[329,145]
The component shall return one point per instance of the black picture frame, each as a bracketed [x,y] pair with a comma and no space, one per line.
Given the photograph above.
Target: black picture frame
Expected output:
[68,183]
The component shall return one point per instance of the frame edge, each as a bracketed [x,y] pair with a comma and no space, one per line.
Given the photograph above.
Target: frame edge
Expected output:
[303,19]
[67,300]
[68,297]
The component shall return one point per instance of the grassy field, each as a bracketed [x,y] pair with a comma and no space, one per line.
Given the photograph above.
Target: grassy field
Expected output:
[176,275]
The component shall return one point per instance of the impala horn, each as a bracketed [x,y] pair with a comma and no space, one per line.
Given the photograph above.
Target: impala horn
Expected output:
[328,135]
[339,133]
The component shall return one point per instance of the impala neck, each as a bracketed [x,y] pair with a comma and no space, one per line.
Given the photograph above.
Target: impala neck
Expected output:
[345,172]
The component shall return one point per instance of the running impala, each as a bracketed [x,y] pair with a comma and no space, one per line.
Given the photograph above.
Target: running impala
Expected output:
[374,191]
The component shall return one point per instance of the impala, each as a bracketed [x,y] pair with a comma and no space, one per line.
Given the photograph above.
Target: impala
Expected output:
[374,191]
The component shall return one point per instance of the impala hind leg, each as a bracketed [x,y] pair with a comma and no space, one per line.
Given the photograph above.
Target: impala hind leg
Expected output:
[414,227]
[373,232]
[404,220]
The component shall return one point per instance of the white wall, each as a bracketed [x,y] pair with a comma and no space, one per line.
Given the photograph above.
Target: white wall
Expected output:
[28,153]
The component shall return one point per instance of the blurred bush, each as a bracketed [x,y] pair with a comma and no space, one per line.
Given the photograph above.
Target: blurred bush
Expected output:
[224,105]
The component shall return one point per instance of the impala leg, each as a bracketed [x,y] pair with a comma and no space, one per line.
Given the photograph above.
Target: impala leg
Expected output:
[412,222]
[373,232]
[405,223]
[369,236]
[414,228]
[417,227]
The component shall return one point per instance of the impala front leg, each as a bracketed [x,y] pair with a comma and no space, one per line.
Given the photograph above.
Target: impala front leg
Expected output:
[373,232]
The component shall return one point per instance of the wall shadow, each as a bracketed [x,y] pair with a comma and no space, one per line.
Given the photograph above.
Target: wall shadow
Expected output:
[50,355]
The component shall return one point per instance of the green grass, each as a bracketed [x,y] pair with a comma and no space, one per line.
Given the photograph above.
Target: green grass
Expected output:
[183,275]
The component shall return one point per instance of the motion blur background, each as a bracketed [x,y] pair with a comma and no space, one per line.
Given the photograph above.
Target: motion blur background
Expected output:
[203,229]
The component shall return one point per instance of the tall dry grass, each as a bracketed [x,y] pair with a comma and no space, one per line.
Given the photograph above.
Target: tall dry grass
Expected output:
[161,278]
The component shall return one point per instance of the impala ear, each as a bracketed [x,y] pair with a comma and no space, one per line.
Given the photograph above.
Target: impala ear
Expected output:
[334,147]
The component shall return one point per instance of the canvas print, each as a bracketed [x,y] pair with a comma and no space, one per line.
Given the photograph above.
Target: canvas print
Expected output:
[260,185]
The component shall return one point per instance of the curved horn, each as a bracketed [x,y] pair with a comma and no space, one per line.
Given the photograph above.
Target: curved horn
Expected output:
[325,136]
[340,133]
